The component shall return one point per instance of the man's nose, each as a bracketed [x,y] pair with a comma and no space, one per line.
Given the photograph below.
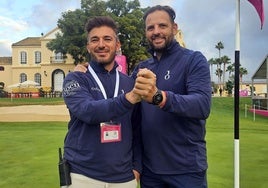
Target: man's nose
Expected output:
[156,30]
[101,43]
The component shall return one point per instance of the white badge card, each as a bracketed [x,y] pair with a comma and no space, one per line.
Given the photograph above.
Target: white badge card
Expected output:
[110,132]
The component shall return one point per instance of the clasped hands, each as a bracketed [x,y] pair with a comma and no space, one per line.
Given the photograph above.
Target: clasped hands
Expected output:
[144,88]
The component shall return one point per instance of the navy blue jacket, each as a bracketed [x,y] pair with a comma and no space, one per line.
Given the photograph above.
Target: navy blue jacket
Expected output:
[174,136]
[109,162]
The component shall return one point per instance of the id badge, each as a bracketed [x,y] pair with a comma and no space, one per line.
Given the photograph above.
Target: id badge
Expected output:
[110,132]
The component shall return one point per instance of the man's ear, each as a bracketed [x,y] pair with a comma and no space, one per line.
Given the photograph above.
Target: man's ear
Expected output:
[118,46]
[88,49]
[175,28]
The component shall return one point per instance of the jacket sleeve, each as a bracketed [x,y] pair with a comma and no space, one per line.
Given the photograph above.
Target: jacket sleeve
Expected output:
[137,140]
[81,104]
[196,101]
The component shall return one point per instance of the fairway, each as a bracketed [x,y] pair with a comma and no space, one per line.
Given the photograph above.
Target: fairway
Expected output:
[220,144]
[29,154]
[28,150]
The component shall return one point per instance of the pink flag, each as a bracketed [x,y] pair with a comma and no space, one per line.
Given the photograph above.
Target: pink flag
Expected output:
[258,4]
[122,63]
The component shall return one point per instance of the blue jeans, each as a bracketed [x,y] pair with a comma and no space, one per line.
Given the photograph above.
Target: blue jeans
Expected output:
[191,180]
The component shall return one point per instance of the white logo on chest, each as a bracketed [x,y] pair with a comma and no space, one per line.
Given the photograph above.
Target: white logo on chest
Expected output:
[167,76]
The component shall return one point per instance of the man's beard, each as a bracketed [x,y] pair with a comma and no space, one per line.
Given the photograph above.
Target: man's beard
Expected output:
[162,48]
[102,61]
[158,49]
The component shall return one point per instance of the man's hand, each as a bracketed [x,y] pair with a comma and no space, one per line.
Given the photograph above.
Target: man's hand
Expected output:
[137,175]
[145,85]
[132,97]
[82,67]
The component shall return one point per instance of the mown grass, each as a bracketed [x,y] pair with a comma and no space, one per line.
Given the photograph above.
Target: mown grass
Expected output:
[28,151]
[220,144]
[30,101]
[29,154]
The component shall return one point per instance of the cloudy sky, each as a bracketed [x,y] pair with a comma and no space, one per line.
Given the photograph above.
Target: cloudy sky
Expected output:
[204,23]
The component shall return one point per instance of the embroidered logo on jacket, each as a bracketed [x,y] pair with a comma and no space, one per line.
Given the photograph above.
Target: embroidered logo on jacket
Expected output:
[95,89]
[70,88]
[167,76]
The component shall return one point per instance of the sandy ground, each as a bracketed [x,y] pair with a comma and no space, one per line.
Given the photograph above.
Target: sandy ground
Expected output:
[34,113]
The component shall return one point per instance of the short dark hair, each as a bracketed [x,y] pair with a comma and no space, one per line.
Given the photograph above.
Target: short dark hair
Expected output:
[99,21]
[167,9]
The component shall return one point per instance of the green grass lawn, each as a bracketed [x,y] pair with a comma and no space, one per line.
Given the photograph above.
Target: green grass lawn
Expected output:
[220,143]
[29,151]
[29,154]
[30,101]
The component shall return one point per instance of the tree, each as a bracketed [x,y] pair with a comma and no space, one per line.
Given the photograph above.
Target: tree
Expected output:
[132,37]
[229,87]
[219,46]
[242,71]
[127,14]
[218,71]
[72,39]
[211,62]
[121,7]
[230,69]
[225,60]
[94,8]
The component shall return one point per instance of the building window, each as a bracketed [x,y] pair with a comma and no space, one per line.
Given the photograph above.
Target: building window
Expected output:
[37,78]
[37,55]
[59,56]
[23,77]
[23,57]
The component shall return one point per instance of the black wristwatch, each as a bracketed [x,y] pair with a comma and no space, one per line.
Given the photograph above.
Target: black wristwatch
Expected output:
[157,98]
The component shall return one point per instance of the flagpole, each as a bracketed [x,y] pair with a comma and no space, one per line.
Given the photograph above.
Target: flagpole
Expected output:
[236,97]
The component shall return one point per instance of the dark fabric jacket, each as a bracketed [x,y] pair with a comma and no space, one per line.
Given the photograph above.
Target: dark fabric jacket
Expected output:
[174,136]
[109,162]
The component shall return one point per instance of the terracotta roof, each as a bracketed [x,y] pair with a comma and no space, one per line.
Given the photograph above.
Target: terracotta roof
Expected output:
[5,60]
[29,41]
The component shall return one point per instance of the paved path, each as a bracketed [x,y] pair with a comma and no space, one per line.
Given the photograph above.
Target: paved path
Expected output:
[29,113]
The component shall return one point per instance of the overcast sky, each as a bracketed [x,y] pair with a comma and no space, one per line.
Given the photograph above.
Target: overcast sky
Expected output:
[204,23]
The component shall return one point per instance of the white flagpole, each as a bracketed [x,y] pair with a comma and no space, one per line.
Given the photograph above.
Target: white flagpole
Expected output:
[236,99]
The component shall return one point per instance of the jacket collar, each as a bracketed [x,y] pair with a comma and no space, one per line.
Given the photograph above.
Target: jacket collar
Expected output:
[173,46]
[97,67]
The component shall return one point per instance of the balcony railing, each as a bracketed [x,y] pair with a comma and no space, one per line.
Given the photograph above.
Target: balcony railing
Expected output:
[58,59]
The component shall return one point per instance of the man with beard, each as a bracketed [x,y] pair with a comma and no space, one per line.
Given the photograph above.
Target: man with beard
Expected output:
[175,88]
[176,91]
[102,145]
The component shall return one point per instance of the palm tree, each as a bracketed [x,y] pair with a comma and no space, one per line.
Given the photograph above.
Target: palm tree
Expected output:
[219,71]
[225,60]
[211,62]
[230,69]
[219,46]
[242,71]
[219,74]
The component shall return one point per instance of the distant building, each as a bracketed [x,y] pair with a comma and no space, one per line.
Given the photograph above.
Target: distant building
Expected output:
[32,60]
[179,38]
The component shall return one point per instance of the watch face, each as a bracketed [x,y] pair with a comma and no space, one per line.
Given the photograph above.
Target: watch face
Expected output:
[157,98]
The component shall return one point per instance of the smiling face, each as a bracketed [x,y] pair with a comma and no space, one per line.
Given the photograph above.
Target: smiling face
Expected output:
[102,45]
[159,30]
